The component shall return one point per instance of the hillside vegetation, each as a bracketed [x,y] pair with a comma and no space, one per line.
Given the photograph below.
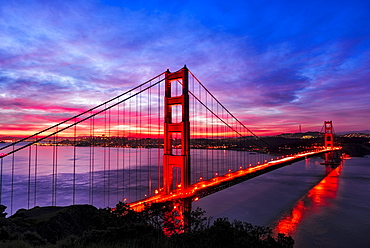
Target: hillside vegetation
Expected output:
[87,226]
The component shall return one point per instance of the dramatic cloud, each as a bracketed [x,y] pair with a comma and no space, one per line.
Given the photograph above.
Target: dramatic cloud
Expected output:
[284,63]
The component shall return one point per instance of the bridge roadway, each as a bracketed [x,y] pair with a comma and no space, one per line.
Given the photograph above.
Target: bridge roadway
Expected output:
[207,187]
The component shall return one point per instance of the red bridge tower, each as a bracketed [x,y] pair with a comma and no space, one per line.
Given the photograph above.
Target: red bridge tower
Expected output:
[332,158]
[173,164]
[328,135]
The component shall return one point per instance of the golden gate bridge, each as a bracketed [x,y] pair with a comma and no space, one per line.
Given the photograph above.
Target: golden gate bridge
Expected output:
[168,138]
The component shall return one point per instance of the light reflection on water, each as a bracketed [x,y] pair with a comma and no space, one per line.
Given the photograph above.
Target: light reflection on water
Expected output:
[299,200]
[319,196]
[341,216]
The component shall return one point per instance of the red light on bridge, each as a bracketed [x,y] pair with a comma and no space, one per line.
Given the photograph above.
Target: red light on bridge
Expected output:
[196,199]
[193,189]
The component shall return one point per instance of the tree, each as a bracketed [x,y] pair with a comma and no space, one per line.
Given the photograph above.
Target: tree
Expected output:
[2,209]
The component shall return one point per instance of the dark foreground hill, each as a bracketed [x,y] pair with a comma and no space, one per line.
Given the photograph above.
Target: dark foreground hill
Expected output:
[87,226]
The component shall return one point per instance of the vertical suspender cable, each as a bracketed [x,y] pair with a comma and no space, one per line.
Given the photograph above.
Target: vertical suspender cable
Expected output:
[53,175]
[1,179]
[90,159]
[35,182]
[159,142]
[244,151]
[207,137]
[109,139]
[195,141]
[29,179]
[140,140]
[223,165]
[129,154]
[236,150]
[150,137]
[215,140]
[74,165]
[56,169]
[12,190]
[137,148]
[123,150]
[195,178]
[204,174]
[116,144]
[201,137]
[93,160]
[105,156]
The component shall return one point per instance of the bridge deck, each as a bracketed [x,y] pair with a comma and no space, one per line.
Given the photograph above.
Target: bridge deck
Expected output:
[204,188]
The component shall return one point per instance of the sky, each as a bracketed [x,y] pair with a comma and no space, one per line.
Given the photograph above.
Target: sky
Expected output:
[274,64]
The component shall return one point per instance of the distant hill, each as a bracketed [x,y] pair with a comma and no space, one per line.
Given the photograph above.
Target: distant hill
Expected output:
[348,132]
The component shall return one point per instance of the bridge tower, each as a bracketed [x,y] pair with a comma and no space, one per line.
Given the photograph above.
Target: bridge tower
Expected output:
[328,135]
[173,163]
[332,158]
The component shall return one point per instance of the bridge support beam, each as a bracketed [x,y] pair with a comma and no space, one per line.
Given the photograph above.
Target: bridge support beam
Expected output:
[173,163]
[179,220]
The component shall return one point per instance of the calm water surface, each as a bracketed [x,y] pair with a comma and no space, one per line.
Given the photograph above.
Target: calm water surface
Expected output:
[65,175]
[316,206]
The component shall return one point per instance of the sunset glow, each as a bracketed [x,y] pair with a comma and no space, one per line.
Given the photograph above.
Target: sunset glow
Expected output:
[274,65]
